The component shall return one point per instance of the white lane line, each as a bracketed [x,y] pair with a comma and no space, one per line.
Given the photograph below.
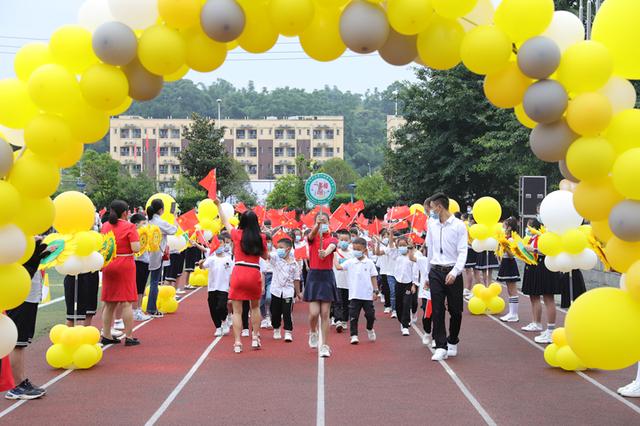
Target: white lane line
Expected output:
[320,395]
[465,391]
[64,374]
[51,302]
[174,393]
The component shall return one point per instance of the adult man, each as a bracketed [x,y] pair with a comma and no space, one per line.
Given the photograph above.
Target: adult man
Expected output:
[447,245]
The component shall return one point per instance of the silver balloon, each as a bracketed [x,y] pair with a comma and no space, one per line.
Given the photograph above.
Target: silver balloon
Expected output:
[550,142]
[143,86]
[624,220]
[564,171]
[6,158]
[399,49]
[222,20]
[364,27]
[115,43]
[539,57]
[545,101]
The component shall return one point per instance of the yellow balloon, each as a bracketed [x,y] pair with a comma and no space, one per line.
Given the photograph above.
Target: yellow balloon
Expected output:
[85,356]
[523,118]
[232,45]
[169,306]
[180,13]
[71,155]
[74,212]
[58,356]
[626,174]
[601,230]
[523,19]
[482,14]
[291,17]
[550,244]
[11,202]
[479,231]
[567,359]
[204,54]
[35,215]
[585,66]
[104,86]
[48,135]
[98,351]
[590,158]
[124,106]
[85,243]
[454,207]
[15,284]
[574,241]
[71,47]
[207,210]
[409,17]
[321,39]
[35,176]
[559,337]
[453,9]
[331,4]
[169,206]
[622,254]
[594,200]
[29,58]
[161,50]
[495,289]
[259,34]
[477,306]
[550,353]
[624,130]
[16,108]
[506,88]
[487,211]
[55,334]
[589,114]
[416,208]
[72,336]
[53,88]
[439,44]
[31,246]
[602,329]
[632,281]
[88,124]
[485,49]
[496,305]
[145,300]
[174,77]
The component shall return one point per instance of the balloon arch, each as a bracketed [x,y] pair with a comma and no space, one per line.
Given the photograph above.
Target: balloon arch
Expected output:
[572,92]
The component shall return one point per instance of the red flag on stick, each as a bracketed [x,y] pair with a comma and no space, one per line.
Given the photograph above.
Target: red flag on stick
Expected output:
[419,221]
[241,208]
[301,253]
[398,213]
[210,183]
[188,221]
[215,243]
[278,236]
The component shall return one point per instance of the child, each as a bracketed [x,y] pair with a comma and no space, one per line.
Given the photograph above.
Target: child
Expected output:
[142,271]
[472,258]
[267,275]
[285,285]
[219,265]
[403,275]
[363,288]
[420,277]
[509,274]
[342,254]
[386,271]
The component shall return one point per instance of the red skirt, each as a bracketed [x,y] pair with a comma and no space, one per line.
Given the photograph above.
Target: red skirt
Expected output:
[246,283]
[119,280]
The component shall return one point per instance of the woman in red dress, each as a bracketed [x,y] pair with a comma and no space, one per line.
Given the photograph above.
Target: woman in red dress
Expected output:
[119,277]
[249,244]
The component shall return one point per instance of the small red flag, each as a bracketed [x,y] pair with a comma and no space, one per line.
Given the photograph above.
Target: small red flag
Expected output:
[308,220]
[188,221]
[416,238]
[260,212]
[398,213]
[241,208]
[215,243]
[278,236]
[419,221]
[429,309]
[400,225]
[210,183]
[340,216]
[362,222]
[301,253]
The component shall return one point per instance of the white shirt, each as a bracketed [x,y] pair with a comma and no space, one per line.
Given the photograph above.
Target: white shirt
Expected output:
[447,244]
[420,276]
[341,276]
[384,261]
[402,266]
[220,268]
[265,266]
[285,272]
[359,273]
[155,257]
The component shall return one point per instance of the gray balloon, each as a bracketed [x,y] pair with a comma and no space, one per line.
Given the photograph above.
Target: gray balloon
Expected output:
[363,27]
[550,142]
[143,86]
[564,171]
[6,158]
[399,49]
[539,57]
[222,20]
[115,43]
[624,220]
[545,101]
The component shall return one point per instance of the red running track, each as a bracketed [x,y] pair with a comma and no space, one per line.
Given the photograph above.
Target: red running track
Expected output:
[182,375]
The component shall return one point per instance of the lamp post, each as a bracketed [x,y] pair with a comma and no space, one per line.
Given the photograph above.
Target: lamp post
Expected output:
[395,94]
[219,110]
[352,187]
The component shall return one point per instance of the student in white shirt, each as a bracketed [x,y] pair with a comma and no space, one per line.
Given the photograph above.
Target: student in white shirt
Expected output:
[220,266]
[285,286]
[447,242]
[419,278]
[341,255]
[267,274]
[403,275]
[363,288]
[386,272]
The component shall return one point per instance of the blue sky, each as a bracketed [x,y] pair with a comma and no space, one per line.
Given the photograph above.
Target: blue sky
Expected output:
[39,18]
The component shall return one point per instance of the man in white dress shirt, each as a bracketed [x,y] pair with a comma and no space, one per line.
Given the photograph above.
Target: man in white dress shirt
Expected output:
[447,244]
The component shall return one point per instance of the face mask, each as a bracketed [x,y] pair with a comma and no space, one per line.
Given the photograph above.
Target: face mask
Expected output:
[282,253]
[365,233]
[220,250]
[403,250]
[357,254]
[433,215]
[227,248]
[269,246]
[385,241]
[324,228]
[344,245]
[353,239]
[298,238]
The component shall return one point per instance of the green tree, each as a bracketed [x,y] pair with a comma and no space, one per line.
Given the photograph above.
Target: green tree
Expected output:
[287,192]
[239,186]
[376,194]
[188,194]
[341,172]
[101,175]
[136,190]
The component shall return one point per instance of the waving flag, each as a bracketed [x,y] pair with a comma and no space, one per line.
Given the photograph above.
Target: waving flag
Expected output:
[210,183]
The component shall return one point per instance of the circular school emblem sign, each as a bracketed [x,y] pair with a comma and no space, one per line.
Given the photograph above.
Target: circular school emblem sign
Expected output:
[320,189]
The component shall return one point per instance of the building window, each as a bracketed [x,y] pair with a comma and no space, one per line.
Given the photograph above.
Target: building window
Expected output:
[317,134]
[252,169]
[291,169]
[338,132]
[240,152]
[291,152]
[240,134]
[163,169]
[307,132]
[138,151]
[154,132]
[291,134]
[124,133]
[175,169]
[338,150]
[136,168]
[164,151]
[253,152]
[299,132]
[328,152]
[115,149]
[175,151]
[278,169]
[137,133]
[328,134]
[253,134]
[175,133]
[164,133]
[278,152]
[317,152]
[279,134]
[124,151]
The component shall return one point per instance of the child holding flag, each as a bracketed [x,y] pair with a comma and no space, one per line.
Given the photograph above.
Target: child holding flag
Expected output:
[342,254]
[220,265]
[285,286]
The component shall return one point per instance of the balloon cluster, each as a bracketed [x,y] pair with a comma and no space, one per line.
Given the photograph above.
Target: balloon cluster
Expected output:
[486,299]
[166,302]
[199,277]
[487,230]
[208,220]
[74,347]
[560,354]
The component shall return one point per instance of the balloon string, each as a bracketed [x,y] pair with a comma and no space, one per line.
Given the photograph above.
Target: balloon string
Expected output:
[470,21]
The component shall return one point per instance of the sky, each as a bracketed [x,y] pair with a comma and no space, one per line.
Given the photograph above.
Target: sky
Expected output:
[285,65]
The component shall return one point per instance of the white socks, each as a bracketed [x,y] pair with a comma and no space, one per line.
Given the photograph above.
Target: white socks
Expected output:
[513,305]
[551,326]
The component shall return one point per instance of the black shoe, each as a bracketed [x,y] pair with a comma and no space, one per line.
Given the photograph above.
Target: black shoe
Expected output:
[131,341]
[157,314]
[30,386]
[104,341]
[23,391]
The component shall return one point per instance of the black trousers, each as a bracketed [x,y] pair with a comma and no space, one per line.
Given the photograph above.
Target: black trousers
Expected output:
[355,305]
[386,291]
[341,309]
[246,307]
[281,309]
[404,300]
[452,294]
[414,302]
[218,306]
[426,322]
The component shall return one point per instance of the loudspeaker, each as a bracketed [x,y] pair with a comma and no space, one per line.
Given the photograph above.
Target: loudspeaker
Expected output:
[533,189]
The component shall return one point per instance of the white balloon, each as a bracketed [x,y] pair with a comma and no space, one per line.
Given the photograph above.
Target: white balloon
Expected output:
[565,29]
[620,92]
[623,280]
[227,210]
[137,14]
[8,335]
[176,243]
[93,262]
[207,234]
[13,136]
[93,13]
[72,266]
[490,244]
[13,244]
[564,262]
[557,212]
[586,260]
[551,264]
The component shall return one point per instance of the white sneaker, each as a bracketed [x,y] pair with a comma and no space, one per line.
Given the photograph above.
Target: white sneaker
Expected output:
[288,336]
[277,334]
[466,292]
[237,348]
[333,322]
[313,340]
[405,331]
[339,326]
[381,299]
[626,386]
[439,355]
[255,342]
[245,332]
[433,344]
[394,314]
[118,324]
[468,297]
[263,323]
[544,337]
[181,292]
[387,310]
[138,315]
[116,334]
[325,351]
[632,390]
[225,329]
[218,332]
[509,318]
[355,340]
[268,320]
[533,326]
[414,318]
[452,350]
[371,334]
[426,339]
